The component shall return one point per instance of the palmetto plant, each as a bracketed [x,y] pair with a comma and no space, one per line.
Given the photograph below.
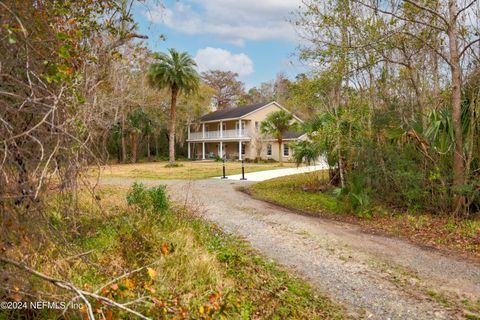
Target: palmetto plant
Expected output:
[176,72]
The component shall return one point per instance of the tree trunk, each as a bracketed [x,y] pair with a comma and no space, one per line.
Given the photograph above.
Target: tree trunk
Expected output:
[133,137]
[173,119]
[436,79]
[280,159]
[156,139]
[371,105]
[458,164]
[123,143]
[119,148]
[149,155]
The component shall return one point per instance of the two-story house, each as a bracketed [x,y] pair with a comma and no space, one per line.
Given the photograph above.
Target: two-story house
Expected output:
[234,133]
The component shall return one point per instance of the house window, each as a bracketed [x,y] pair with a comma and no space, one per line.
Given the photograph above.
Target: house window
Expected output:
[237,127]
[285,150]
[269,149]
[243,147]
[257,125]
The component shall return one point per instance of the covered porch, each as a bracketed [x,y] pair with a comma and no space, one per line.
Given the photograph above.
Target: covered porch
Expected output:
[212,149]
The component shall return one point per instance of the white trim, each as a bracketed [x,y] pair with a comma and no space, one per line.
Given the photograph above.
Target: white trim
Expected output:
[223,139]
[243,138]
[283,150]
[218,120]
[269,150]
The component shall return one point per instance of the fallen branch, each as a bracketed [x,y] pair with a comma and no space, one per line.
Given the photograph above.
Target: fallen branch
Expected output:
[79,255]
[125,275]
[70,287]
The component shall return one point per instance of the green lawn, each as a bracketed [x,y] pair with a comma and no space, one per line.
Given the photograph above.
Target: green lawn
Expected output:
[287,191]
[185,171]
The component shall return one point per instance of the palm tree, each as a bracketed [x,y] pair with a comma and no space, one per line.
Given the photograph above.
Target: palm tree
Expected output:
[175,71]
[276,125]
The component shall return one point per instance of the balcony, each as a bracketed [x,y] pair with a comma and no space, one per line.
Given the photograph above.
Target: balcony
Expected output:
[217,135]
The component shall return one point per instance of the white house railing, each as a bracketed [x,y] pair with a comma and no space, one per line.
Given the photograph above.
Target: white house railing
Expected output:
[227,134]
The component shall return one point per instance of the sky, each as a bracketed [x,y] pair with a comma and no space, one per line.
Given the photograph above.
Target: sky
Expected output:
[250,37]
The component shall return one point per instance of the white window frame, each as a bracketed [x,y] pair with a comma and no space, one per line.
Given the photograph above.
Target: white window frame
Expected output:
[269,149]
[286,148]
[237,126]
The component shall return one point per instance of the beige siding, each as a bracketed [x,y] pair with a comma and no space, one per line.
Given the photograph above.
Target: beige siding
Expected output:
[274,154]
[259,116]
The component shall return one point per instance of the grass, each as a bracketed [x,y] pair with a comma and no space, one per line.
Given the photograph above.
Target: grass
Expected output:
[300,192]
[185,170]
[287,191]
[200,272]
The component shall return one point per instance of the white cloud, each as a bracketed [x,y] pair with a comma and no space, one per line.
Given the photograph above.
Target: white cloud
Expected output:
[232,20]
[221,59]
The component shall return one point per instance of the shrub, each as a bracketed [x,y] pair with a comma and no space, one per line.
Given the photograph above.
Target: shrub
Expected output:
[159,198]
[138,196]
[154,198]
[356,196]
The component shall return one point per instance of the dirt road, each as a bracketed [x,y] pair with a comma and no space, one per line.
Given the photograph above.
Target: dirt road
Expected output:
[375,277]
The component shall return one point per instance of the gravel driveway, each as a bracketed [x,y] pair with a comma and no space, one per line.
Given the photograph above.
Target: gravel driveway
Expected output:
[375,277]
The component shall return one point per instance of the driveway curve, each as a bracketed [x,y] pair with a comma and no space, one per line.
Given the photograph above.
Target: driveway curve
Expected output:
[375,277]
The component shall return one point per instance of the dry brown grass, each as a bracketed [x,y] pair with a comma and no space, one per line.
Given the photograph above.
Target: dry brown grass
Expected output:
[185,171]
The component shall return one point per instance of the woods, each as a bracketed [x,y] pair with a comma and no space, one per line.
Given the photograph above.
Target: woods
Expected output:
[399,90]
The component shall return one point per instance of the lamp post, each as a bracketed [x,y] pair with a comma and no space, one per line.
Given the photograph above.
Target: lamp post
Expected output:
[223,168]
[243,170]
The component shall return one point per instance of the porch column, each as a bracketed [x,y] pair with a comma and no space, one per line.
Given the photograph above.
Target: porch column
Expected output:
[189,155]
[189,131]
[240,128]
[221,149]
[221,129]
[203,130]
[203,150]
[239,150]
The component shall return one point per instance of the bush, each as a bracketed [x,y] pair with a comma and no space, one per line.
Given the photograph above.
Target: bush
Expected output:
[154,198]
[355,197]
[159,198]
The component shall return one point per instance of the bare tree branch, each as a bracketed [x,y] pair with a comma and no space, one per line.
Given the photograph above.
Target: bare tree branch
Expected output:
[460,11]
[468,46]
[70,287]
[377,9]
[421,7]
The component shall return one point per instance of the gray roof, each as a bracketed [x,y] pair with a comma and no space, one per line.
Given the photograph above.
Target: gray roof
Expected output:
[289,135]
[232,112]
[293,134]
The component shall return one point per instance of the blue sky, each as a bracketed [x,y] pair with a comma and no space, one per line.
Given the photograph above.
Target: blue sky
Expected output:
[250,37]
